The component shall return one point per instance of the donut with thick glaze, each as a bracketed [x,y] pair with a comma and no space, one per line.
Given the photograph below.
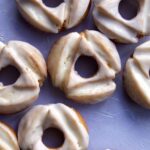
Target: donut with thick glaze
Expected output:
[60,116]
[108,20]
[137,75]
[53,19]
[61,66]
[32,67]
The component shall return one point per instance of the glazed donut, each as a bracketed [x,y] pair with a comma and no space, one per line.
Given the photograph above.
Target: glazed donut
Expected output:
[58,116]
[32,67]
[109,21]
[137,77]
[67,15]
[8,140]
[64,55]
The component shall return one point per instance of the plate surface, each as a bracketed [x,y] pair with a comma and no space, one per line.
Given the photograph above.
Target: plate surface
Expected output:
[117,123]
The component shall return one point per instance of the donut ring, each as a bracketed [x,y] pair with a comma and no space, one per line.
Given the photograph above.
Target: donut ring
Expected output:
[32,67]
[67,15]
[64,55]
[8,139]
[109,21]
[60,116]
[137,77]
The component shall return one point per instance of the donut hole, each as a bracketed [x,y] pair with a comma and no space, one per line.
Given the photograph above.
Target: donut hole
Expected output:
[51,3]
[86,66]
[129,9]
[53,138]
[9,75]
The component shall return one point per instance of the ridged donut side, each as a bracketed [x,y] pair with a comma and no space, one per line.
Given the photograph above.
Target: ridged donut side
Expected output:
[77,10]
[60,58]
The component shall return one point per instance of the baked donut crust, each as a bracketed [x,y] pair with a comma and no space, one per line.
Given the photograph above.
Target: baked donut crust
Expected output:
[62,59]
[32,67]
[8,139]
[136,75]
[60,116]
[67,15]
[108,20]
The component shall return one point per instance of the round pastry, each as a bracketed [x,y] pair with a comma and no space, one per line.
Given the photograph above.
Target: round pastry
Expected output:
[137,77]
[8,140]
[32,67]
[57,116]
[62,60]
[67,15]
[109,21]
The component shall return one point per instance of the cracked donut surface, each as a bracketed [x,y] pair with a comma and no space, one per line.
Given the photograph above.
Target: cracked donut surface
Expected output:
[137,76]
[8,139]
[49,19]
[61,66]
[108,20]
[32,67]
[60,116]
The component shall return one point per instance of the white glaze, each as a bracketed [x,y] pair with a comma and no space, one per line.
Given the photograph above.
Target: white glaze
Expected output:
[32,67]
[64,55]
[109,21]
[41,117]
